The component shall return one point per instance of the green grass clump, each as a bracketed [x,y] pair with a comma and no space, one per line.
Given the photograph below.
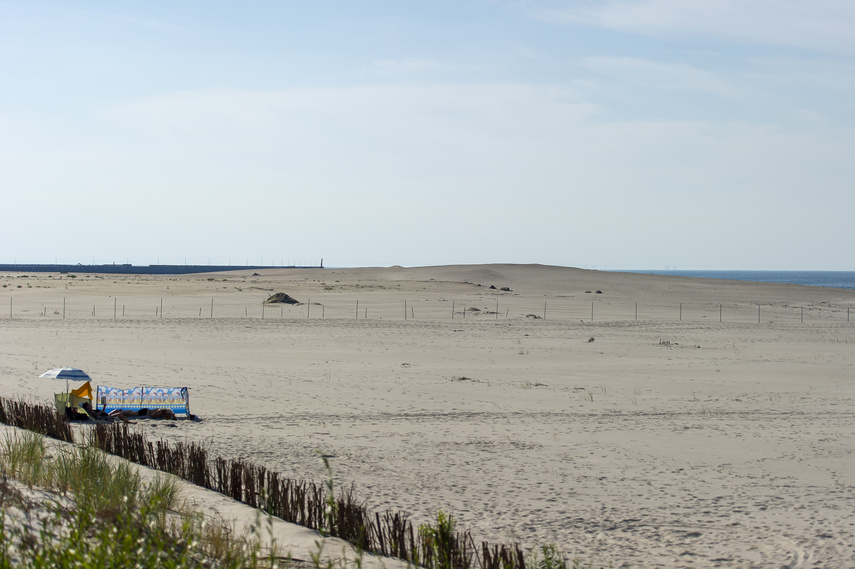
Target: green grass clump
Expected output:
[546,557]
[23,458]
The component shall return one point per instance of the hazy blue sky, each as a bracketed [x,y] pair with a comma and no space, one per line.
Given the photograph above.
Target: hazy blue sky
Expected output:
[695,134]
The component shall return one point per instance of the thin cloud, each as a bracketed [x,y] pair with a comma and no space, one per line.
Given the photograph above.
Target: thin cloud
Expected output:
[193,112]
[820,25]
[657,74]
[73,16]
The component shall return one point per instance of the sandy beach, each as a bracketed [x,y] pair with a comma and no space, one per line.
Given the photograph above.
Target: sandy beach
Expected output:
[662,422]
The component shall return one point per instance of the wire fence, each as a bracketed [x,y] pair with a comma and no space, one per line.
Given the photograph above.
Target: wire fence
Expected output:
[372,308]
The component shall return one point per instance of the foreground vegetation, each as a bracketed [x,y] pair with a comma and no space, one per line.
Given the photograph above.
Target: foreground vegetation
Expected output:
[100,514]
[75,507]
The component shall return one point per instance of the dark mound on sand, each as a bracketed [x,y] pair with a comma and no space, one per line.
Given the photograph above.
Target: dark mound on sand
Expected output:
[280,298]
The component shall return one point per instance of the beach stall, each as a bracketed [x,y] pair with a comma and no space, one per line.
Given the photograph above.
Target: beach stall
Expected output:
[107,399]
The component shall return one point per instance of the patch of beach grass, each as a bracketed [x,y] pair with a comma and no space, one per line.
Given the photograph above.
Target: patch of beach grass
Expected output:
[74,506]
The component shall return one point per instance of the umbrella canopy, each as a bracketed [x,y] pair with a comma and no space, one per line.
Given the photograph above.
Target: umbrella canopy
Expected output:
[67,373]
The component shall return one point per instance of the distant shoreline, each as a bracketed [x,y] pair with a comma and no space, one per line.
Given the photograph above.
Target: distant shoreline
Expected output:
[128,269]
[828,279]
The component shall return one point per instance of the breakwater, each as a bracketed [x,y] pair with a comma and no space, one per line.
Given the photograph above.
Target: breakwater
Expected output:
[128,269]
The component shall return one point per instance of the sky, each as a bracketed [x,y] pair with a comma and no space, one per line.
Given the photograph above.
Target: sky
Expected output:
[610,134]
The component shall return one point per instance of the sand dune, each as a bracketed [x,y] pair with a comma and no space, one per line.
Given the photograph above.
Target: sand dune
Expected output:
[654,442]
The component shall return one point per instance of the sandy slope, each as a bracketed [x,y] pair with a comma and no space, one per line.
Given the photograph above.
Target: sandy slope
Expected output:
[661,443]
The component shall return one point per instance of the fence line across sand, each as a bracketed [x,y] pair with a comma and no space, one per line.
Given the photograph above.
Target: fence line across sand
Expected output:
[597,309]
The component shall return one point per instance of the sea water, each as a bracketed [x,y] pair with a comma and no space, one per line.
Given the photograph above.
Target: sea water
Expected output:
[834,279]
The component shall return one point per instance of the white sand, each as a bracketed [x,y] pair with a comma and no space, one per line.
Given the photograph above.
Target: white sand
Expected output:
[662,443]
